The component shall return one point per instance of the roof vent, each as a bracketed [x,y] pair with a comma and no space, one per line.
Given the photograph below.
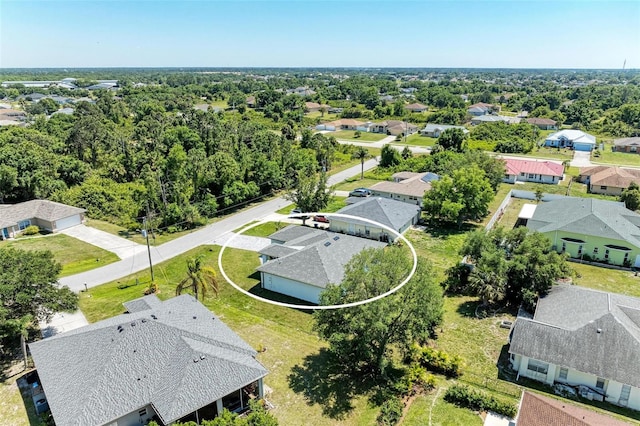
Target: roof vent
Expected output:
[599,330]
[196,359]
[120,329]
[153,316]
[133,324]
[194,317]
[201,356]
[327,244]
[144,320]
[336,238]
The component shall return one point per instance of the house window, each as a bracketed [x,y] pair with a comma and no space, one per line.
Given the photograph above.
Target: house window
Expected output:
[580,250]
[606,254]
[23,224]
[522,174]
[595,250]
[626,257]
[142,412]
[538,366]
[564,246]
[600,383]
[367,232]
[532,176]
[603,187]
[564,371]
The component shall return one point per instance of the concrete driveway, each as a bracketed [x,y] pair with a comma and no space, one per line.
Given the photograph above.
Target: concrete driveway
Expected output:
[122,247]
[581,159]
[61,322]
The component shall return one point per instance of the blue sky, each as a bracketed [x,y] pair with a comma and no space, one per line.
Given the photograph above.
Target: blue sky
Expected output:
[357,33]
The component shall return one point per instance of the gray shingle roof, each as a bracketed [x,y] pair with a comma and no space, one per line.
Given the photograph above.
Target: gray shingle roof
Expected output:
[394,214]
[292,232]
[627,141]
[322,262]
[564,331]
[40,209]
[176,356]
[588,216]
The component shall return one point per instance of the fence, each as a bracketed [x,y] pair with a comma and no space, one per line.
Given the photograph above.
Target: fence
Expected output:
[499,211]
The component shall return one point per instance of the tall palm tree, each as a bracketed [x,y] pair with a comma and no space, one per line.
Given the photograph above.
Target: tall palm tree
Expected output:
[199,278]
[23,325]
[361,154]
[488,285]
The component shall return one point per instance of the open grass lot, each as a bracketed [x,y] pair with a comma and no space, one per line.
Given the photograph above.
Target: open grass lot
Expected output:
[364,136]
[74,255]
[262,230]
[356,182]
[418,140]
[323,117]
[550,153]
[286,333]
[510,215]
[442,413]
[607,156]
[610,280]
[335,204]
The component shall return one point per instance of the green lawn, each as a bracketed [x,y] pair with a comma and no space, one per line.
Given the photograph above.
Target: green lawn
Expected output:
[74,255]
[510,215]
[16,409]
[610,280]
[364,136]
[442,413]
[550,153]
[285,333]
[263,230]
[160,237]
[618,158]
[417,139]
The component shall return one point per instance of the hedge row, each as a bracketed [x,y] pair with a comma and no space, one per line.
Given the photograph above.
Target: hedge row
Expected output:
[464,396]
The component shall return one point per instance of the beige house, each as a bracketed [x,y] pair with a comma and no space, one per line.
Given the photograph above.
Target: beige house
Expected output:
[45,214]
[608,180]
[627,145]
[407,187]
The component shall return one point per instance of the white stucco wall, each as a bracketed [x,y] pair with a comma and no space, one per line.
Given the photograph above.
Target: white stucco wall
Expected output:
[416,201]
[290,287]
[134,419]
[338,225]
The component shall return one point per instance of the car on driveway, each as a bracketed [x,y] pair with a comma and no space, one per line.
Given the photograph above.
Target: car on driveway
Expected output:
[321,218]
[360,192]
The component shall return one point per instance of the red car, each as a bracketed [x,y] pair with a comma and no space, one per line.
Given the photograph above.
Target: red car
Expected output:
[321,218]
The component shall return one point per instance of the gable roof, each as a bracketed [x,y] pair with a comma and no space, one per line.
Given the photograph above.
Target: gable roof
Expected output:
[321,262]
[481,105]
[577,328]
[432,127]
[616,177]
[415,106]
[575,136]
[394,214]
[539,410]
[176,356]
[587,216]
[39,209]
[539,120]
[635,141]
[411,184]
[548,168]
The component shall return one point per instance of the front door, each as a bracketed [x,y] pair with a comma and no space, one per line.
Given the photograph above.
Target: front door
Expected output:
[5,233]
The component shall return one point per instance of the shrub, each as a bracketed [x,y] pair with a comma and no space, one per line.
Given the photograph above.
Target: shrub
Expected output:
[437,361]
[31,230]
[390,412]
[464,396]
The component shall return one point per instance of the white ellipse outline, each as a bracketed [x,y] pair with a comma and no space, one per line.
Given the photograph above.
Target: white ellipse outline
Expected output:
[321,307]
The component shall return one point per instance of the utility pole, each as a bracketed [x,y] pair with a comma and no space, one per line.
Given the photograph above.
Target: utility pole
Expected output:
[145,222]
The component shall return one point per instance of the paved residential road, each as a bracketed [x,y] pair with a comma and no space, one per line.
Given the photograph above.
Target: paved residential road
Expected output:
[207,235]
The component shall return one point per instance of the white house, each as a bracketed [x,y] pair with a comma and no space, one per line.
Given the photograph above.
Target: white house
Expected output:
[583,338]
[576,139]
[435,130]
[302,261]
[532,171]
[397,215]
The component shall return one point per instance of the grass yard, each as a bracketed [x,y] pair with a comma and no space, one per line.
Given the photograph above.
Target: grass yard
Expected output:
[418,140]
[550,153]
[510,215]
[611,280]
[350,135]
[16,409]
[286,333]
[441,413]
[616,158]
[335,204]
[263,230]
[74,255]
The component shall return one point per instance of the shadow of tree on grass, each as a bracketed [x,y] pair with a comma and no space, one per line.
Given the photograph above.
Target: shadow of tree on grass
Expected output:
[326,381]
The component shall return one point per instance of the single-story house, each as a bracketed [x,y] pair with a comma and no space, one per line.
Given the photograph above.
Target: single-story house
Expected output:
[313,106]
[392,127]
[45,214]
[435,130]
[301,261]
[539,410]
[494,119]
[166,360]
[301,91]
[407,187]
[397,215]
[386,98]
[251,101]
[532,171]
[543,123]
[609,180]
[583,338]
[576,139]
[12,114]
[603,230]
[416,107]
[627,144]
[482,108]
[65,111]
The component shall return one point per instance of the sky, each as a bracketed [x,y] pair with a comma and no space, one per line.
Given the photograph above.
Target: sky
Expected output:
[305,33]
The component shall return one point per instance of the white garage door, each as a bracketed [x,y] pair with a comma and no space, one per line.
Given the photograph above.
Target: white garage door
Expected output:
[67,222]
